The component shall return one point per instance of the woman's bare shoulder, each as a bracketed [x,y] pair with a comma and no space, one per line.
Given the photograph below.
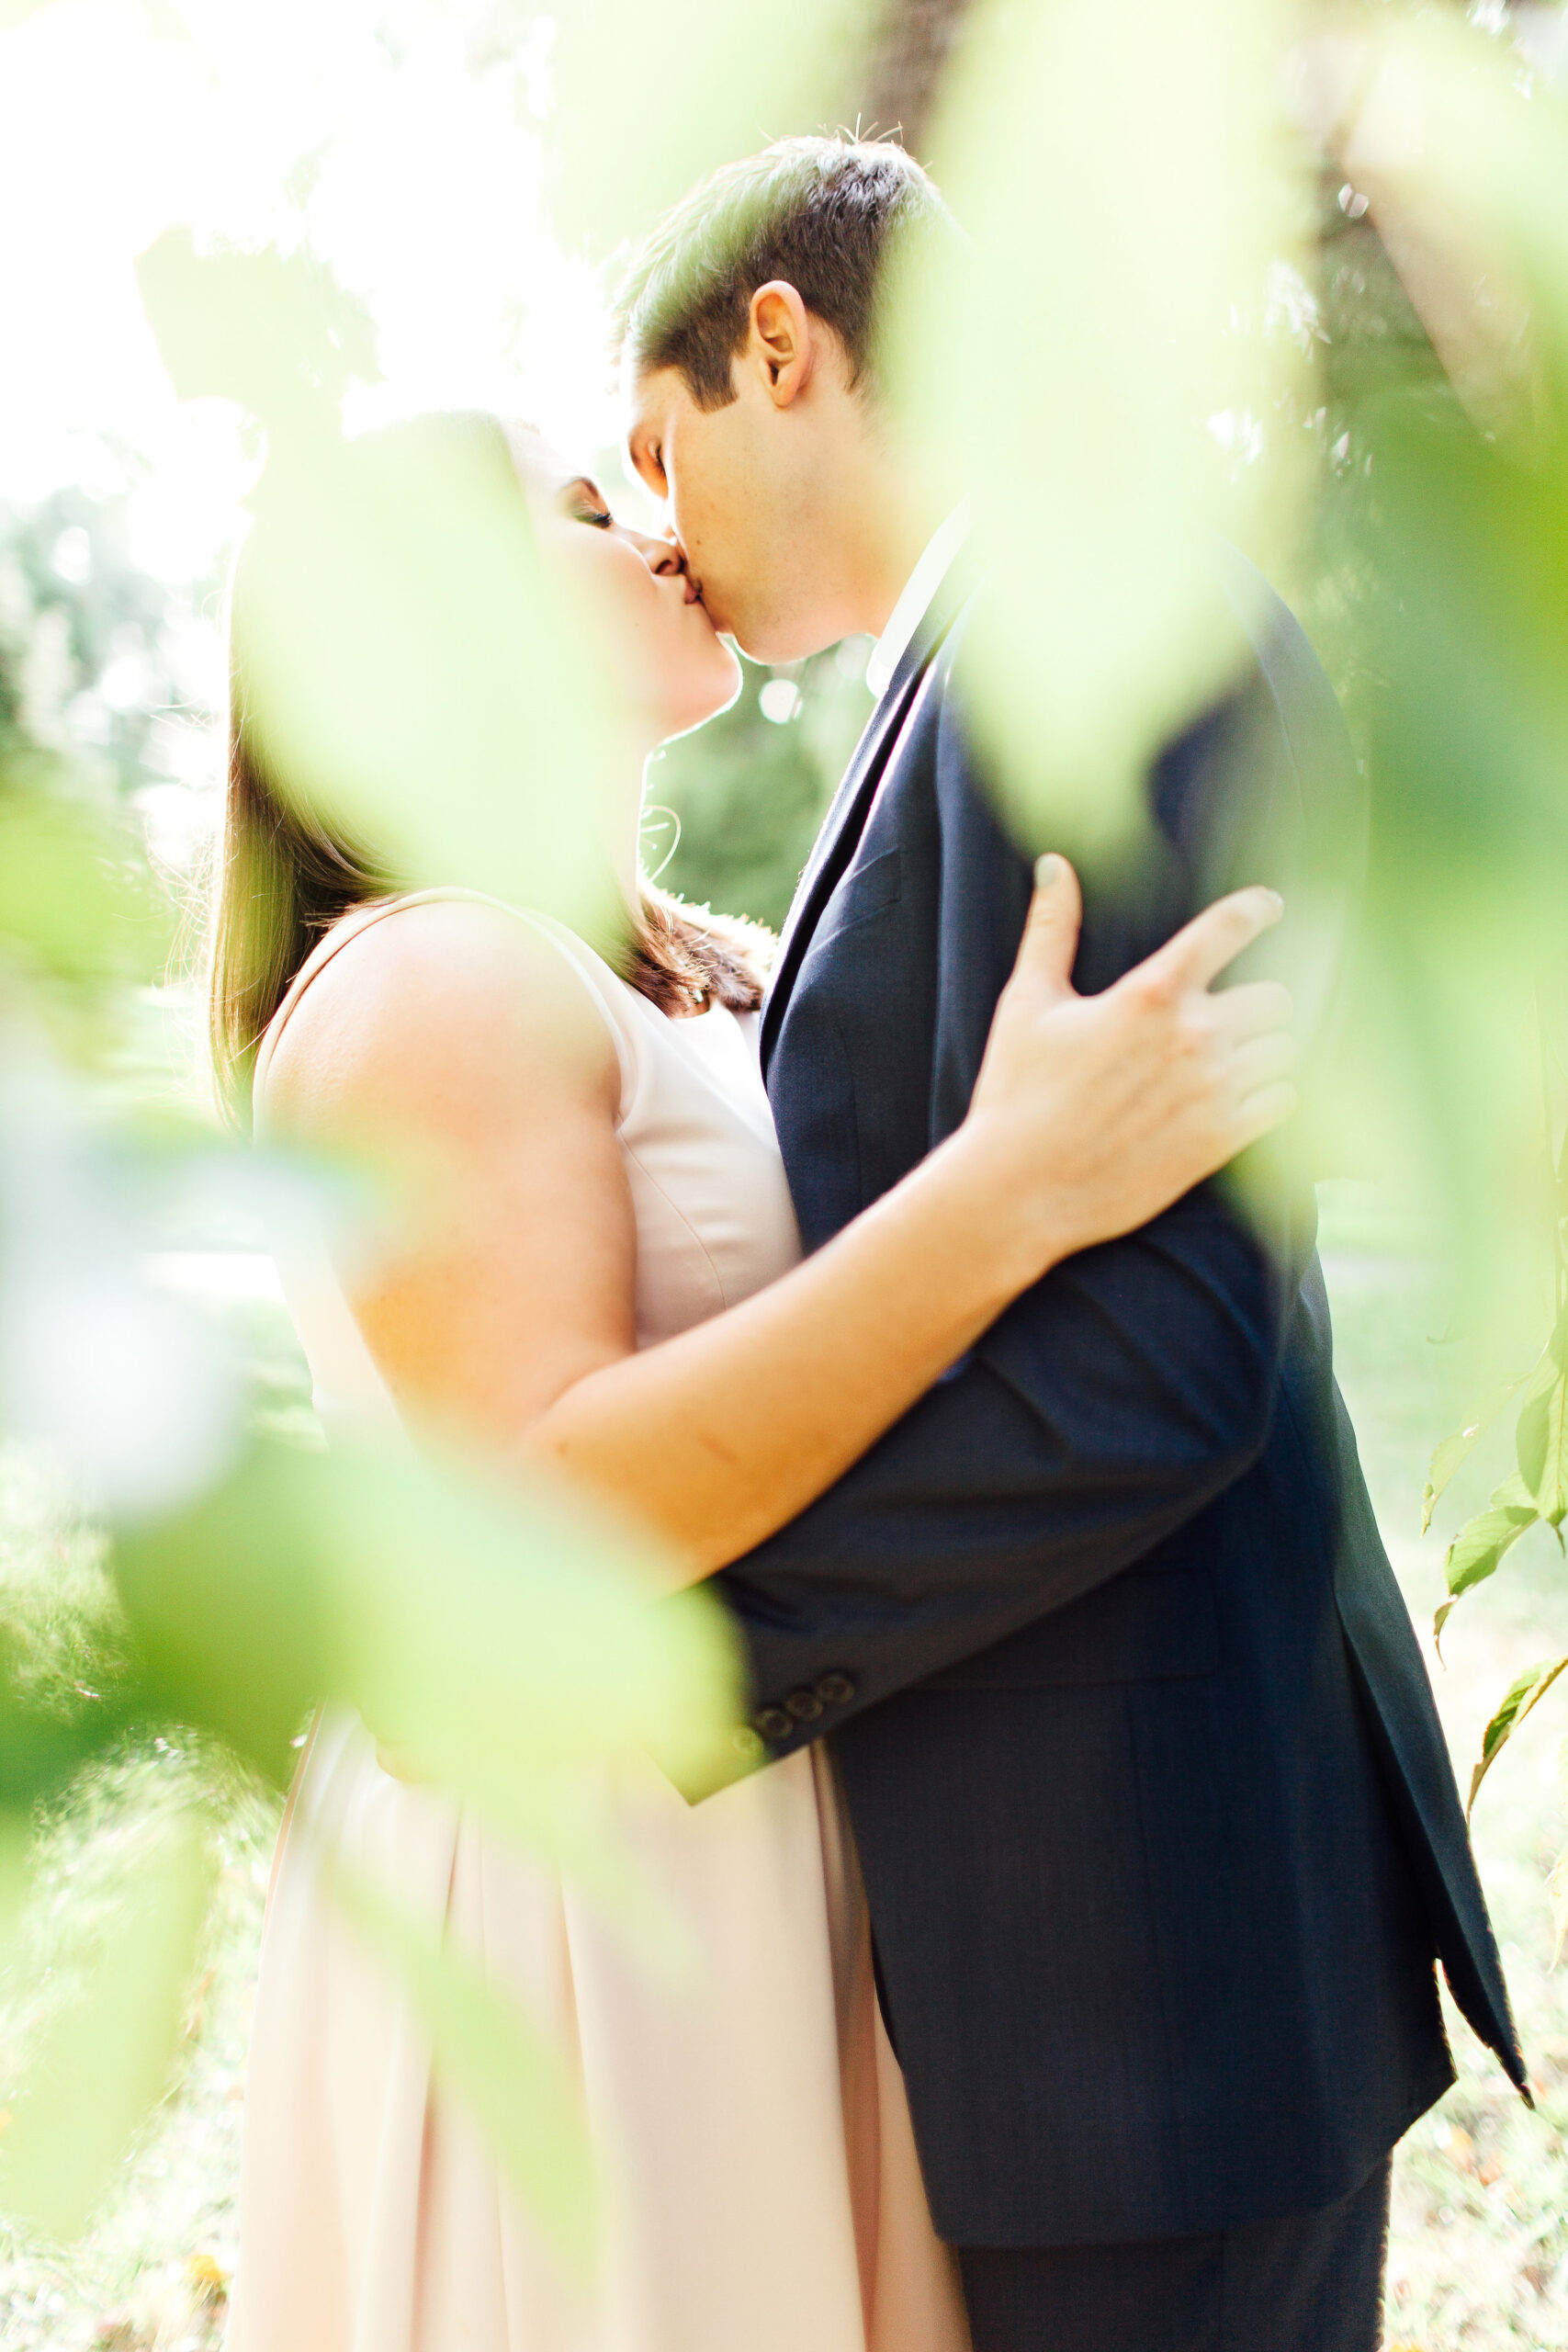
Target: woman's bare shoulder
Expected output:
[451,1010]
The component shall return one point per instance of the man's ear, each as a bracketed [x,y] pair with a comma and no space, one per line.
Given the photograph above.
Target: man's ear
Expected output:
[780,341]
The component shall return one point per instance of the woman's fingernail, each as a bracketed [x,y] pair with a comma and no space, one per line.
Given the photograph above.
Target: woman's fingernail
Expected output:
[1047,870]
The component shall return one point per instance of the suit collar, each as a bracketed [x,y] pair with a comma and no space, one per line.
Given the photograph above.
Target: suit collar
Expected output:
[842,826]
[920,593]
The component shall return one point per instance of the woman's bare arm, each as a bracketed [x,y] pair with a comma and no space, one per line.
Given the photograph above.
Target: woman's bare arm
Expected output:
[452,1036]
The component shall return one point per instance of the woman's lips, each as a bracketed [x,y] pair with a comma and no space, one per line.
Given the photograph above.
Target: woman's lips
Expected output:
[719,626]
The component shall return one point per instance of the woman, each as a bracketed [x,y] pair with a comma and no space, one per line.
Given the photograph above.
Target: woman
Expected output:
[621,1298]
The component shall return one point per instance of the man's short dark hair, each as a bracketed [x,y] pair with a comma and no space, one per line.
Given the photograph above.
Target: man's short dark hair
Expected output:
[823,214]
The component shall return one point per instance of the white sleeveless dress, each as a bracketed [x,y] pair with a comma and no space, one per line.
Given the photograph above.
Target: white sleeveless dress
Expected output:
[763,2189]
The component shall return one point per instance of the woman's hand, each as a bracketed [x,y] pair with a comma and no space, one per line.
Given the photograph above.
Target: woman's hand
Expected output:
[1096,1113]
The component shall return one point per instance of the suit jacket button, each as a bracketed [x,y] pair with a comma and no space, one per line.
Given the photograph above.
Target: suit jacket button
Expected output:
[773,1723]
[803,1705]
[747,1743]
[835,1690]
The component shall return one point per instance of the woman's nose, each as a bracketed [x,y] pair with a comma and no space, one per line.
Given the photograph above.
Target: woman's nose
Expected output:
[662,557]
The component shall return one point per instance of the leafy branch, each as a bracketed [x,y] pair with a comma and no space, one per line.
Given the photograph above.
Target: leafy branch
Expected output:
[1534,1494]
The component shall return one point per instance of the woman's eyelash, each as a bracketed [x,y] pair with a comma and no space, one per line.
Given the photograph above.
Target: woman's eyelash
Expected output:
[601,521]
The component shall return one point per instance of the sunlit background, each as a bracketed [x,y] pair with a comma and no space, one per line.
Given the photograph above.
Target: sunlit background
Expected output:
[404,149]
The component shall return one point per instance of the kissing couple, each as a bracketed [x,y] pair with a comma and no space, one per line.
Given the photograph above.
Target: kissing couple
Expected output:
[1065,1938]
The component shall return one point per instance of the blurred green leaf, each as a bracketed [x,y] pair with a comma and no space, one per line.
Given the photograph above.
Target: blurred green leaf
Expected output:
[1446,503]
[645,105]
[42,1747]
[412,675]
[1081,361]
[1445,127]
[230,1608]
[15,1840]
[519,2090]
[75,896]
[1517,1701]
[104,2056]
[511,1644]
[503,1640]
[271,330]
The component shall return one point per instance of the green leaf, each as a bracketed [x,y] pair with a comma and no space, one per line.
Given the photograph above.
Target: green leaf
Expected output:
[16,1854]
[1543,1438]
[1138,124]
[105,2054]
[514,1647]
[271,330]
[520,2090]
[72,895]
[1453,1450]
[1483,1540]
[1517,1701]
[230,1608]
[624,145]
[398,624]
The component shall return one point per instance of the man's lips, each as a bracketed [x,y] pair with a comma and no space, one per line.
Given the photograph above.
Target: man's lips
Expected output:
[700,597]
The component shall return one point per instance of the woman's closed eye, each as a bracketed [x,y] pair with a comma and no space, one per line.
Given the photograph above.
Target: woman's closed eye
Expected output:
[585,503]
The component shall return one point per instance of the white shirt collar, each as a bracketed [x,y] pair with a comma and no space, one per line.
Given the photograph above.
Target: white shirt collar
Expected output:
[920,595]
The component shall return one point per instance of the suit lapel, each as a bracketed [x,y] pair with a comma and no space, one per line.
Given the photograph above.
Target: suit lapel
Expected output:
[835,842]
[845,820]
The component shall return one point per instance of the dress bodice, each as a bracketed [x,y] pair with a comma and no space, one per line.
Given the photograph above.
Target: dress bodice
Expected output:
[712,1206]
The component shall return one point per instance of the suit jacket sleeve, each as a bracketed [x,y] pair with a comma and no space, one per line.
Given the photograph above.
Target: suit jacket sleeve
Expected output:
[1137,1381]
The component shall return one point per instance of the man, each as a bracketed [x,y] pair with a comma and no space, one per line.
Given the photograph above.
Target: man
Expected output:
[1157,1825]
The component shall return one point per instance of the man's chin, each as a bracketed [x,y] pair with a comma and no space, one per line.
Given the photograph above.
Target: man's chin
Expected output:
[773,638]
[720,616]
[745,629]
[761,645]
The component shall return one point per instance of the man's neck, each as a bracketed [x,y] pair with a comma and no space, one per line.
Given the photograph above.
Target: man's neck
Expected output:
[884,529]
[898,555]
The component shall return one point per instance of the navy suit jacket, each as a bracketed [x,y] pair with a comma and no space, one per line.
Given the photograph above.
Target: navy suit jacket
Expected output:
[1157,1824]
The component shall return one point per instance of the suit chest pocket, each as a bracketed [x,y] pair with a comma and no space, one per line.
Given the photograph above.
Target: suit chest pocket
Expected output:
[866,890]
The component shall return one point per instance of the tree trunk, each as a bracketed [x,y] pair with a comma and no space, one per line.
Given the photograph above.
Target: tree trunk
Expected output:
[903,75]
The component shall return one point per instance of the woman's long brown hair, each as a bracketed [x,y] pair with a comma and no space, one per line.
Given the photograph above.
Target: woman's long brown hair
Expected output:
[285,876]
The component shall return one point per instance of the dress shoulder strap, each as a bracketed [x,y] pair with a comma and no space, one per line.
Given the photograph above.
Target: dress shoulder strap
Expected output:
[607,989]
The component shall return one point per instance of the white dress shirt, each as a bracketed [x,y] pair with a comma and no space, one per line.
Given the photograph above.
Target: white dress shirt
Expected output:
[917,597]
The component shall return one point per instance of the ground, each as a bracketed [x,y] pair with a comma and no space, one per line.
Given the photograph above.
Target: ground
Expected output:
[1479,2256]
